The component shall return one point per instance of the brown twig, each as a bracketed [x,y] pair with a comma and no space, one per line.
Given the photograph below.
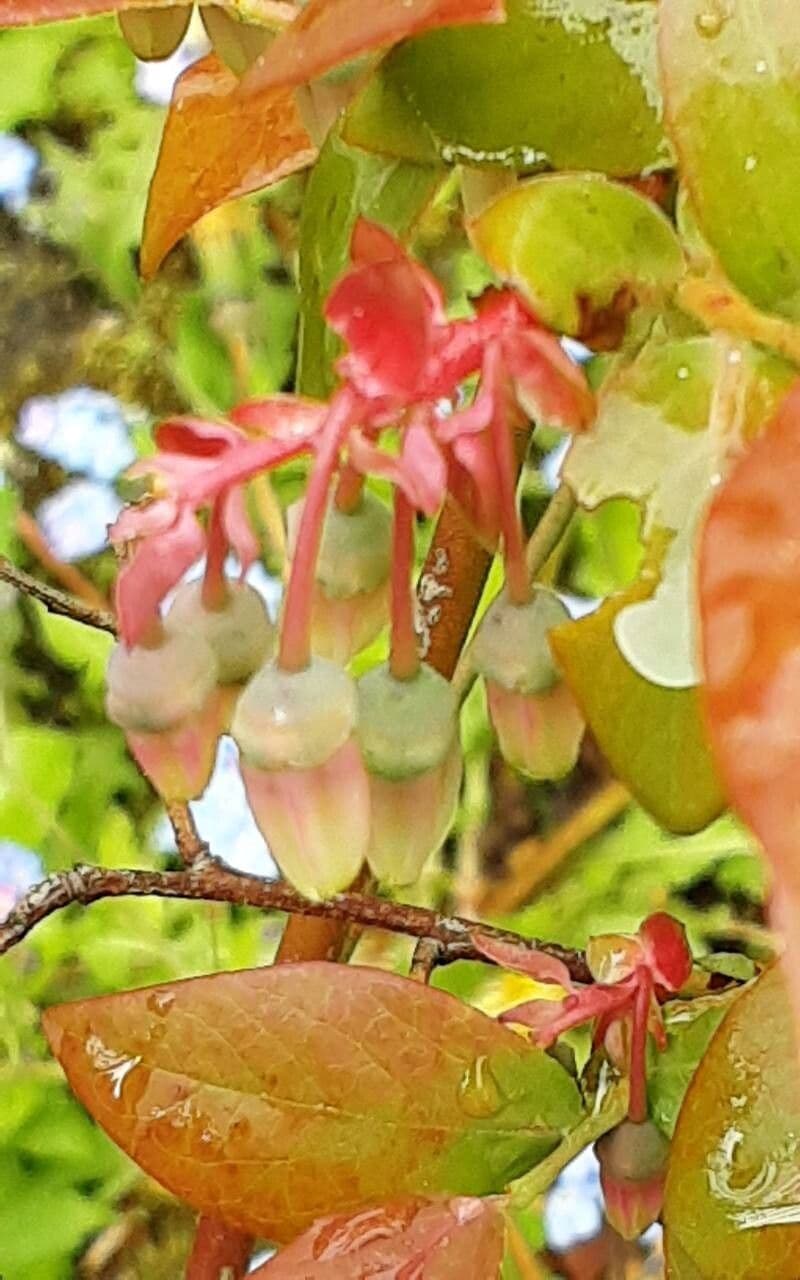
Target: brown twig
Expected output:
[427,955]
[58,601]
[192,849]
[209,881]
[31,535]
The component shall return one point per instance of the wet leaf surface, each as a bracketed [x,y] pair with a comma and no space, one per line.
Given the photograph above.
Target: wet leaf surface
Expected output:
[413,1240]
[732,1208]
[731,76]
[577,246]
[217,144]
[570,85]
[270,1097]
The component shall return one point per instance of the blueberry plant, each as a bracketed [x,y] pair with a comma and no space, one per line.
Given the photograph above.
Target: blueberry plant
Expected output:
[626,173]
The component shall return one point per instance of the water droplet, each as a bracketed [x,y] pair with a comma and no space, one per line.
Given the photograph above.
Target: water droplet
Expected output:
[761,67]
[160,1002]
[750,164]
[683,373]
[711,21]
[478,1092]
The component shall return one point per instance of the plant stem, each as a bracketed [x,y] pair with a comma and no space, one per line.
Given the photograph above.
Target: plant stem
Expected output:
[517,580]
[295,644]
[57,601]
[349,489]
[637,1109]
[550,530]
[214,591]
[404,656]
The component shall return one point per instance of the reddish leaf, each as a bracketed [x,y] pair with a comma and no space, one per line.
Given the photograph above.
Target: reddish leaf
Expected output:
[749,578]
[732,1206]
[21,13]
[411,1240]
[270,1097]
[218,1250]
[218,143]
[328,32]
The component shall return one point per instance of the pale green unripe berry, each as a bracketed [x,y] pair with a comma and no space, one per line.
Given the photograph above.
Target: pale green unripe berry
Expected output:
[150,690]
[240,633]
[295,719]
[511,645]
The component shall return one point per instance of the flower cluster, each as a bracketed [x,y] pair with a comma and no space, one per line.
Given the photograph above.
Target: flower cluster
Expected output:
[338,772]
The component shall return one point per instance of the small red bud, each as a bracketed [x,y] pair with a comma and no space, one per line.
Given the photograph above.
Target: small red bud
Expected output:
[633,1169]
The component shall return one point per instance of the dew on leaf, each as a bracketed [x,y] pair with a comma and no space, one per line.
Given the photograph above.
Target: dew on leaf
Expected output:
[479,1094]
[711,22]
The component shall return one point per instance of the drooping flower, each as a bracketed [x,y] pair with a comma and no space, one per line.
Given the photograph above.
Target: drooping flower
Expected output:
[630,972]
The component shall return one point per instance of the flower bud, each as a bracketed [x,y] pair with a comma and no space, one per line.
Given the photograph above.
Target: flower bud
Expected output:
[152,34]
[165,698]
[351,590]
[537,721]
[238,44]
[633,1169]
[408,733]
[240,633]
[303,773]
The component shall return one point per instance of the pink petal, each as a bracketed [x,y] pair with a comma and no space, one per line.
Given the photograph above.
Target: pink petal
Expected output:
[284,416]
[666,950]
[195,437]
[372,243]
[420,471]
[385,317]
[536,964]
[143,520]
[596,1001]
[238,529]
[159,561]
[551,387]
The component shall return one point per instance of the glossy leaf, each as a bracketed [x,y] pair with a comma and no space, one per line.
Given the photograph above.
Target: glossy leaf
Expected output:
[689,1026]
[749,580]
[344,184]
[410,1240]
[653,738]
[21,13]
[568,85]
[733,1188]
[731,74]
[328,32]
[578,245]
[271,1097]
[217,144]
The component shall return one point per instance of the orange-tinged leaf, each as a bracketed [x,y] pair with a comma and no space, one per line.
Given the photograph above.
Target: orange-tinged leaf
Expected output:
[749,582]
[411,1240]
[328,32]
[21,13]
[271,1097]
[218,143]
[732,1204]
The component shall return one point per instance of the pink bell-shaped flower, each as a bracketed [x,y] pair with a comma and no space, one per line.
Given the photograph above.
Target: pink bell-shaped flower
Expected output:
[239,632]
[538,724]
[408,732]
[633,1170]
[303,773]
[165,698]
[351,588]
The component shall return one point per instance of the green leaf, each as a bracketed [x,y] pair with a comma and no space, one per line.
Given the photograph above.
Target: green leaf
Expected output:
[566,85]
[690,1025]
[572,243]
[653,737]
[35,772]
[731,1205]
[731,75]
[273,1096]
[344,183]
